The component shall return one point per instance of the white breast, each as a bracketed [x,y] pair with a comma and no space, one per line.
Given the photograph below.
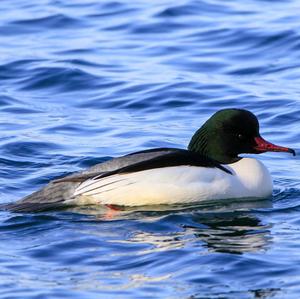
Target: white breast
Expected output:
[252,177]
[178,184]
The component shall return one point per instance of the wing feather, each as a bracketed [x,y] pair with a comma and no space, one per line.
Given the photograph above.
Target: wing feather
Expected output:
[60,192]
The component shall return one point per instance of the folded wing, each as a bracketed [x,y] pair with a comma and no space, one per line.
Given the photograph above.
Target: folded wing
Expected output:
[62,192]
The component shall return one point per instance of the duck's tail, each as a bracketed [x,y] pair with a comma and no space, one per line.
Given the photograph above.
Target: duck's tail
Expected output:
[52,196]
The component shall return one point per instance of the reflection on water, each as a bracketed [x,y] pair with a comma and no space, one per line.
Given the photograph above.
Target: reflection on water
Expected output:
[255,294]
[230,227]
[232,233]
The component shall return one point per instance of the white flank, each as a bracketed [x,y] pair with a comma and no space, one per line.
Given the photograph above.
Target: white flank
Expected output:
[178,184]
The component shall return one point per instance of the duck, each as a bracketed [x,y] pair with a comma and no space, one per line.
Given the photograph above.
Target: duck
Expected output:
[211,168]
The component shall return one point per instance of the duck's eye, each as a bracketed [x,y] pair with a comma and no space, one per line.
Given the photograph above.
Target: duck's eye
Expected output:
[241,136]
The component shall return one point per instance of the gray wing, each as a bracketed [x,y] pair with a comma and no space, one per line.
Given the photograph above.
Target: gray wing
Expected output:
[115,164]
[59,193]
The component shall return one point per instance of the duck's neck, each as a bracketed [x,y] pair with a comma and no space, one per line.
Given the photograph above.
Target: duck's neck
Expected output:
[207,144]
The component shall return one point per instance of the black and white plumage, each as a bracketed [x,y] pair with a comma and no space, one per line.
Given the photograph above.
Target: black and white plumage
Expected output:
[60,192]
[209,169]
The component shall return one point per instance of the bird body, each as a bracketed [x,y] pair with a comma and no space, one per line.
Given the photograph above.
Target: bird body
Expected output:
[178,185]
[209,169]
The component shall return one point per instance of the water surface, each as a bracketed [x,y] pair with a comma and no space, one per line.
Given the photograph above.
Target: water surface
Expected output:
[84,81]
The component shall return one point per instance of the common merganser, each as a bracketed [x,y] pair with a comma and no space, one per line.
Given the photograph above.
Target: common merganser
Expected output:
[210,169]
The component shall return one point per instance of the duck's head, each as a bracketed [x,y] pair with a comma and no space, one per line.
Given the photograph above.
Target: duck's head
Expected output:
[231,132]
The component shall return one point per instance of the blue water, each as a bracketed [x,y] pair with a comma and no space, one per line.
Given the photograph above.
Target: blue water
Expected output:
[82,81]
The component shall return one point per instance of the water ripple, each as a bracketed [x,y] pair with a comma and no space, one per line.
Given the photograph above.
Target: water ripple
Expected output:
[83,81]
